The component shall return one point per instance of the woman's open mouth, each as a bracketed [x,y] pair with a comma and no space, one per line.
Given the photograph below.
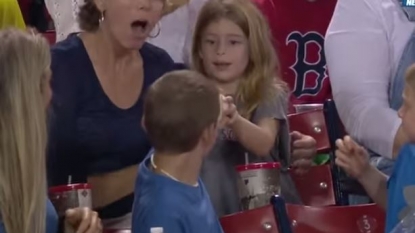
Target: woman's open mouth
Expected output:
[140,25]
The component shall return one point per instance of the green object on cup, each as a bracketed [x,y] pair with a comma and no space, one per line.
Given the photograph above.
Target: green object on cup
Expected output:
[321,159]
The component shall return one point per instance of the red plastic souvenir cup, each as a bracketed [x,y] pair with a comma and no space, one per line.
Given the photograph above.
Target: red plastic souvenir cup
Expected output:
[70,196]
[257,183]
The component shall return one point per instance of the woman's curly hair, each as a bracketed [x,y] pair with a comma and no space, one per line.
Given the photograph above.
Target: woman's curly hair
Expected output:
[89,16]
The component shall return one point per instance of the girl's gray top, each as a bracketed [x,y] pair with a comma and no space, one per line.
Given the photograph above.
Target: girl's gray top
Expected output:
[218,170]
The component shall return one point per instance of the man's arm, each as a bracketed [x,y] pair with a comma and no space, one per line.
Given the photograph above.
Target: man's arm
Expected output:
[357,54]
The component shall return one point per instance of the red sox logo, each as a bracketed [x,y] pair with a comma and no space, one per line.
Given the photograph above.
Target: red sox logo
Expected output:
[302,67]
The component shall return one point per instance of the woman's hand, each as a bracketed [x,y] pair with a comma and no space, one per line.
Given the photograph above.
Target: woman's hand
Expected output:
[351,157]
[83,220]
[303,151]
[31,30]
[172,5]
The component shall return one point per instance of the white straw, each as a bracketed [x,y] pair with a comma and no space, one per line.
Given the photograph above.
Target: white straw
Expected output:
[69,179]
[246,158]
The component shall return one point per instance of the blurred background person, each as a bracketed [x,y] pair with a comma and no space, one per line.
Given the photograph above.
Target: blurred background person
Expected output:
[24,96]
[64,15]
[10,15]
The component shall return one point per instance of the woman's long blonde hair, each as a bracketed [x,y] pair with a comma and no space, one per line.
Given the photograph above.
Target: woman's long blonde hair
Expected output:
[261,81]
[24,59]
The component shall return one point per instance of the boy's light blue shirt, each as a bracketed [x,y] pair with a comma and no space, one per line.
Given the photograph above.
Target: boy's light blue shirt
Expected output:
[174,206]
[401,187]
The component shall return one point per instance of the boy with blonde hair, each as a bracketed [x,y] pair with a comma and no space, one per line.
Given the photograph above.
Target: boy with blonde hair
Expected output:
[397,192]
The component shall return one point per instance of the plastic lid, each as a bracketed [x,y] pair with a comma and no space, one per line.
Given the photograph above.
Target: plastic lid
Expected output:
[255,166]
[69,187]
[156,230]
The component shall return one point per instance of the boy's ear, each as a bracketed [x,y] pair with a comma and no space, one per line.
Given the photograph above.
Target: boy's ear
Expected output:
[207,134]
[213,131]
[143,125]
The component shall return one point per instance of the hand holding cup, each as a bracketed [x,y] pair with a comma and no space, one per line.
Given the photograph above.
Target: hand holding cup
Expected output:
[82,220]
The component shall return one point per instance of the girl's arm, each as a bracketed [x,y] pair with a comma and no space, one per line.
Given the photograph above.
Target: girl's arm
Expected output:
[258,138]
[260,133]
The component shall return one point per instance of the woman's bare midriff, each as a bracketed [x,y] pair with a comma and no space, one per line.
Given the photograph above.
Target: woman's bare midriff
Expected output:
[110,187]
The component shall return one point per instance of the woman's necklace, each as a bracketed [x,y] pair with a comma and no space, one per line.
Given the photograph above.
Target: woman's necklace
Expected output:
[164,172]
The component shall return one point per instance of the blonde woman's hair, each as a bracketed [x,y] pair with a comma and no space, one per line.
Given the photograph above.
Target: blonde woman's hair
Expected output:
[261,81]
[24,59]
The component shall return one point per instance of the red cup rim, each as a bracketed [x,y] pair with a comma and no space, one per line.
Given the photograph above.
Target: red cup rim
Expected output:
[255,166]
[69,187]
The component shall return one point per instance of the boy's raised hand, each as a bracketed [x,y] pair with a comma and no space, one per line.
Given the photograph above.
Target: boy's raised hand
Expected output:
[351,157]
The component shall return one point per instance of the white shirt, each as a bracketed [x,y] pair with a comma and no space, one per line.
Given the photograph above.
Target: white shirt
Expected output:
[176,28]
[363,46]
[64,14]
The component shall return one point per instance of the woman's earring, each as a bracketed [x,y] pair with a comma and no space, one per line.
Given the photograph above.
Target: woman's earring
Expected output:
[102,17]
[158,31]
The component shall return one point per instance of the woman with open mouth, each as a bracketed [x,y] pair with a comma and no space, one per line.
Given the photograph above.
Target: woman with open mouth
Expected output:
[173,32]
[99,78]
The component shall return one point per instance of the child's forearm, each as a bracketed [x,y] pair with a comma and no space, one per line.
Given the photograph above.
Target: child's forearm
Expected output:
[255,139]
[375,184]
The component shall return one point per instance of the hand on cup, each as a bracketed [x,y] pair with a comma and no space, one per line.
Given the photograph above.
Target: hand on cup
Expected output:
[82,220]
[303,152]
[70,196]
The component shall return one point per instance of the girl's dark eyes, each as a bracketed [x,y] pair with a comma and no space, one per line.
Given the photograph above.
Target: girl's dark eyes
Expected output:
[232,42]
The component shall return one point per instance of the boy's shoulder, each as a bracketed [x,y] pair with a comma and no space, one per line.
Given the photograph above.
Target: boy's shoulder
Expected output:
[401,187]
[176,207]
[403,169]
[405,158]
[154,190]
[152,215]
[154,207]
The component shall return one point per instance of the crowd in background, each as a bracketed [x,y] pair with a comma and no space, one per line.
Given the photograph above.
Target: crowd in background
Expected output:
[251,62]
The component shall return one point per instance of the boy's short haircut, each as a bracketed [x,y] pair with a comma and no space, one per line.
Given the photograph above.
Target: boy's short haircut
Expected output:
[178,108]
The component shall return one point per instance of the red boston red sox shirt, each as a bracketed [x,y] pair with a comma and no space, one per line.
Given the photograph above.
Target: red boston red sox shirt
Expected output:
[298,28]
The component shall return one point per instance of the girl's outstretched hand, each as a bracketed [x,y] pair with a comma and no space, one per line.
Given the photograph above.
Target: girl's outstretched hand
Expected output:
[229,111]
